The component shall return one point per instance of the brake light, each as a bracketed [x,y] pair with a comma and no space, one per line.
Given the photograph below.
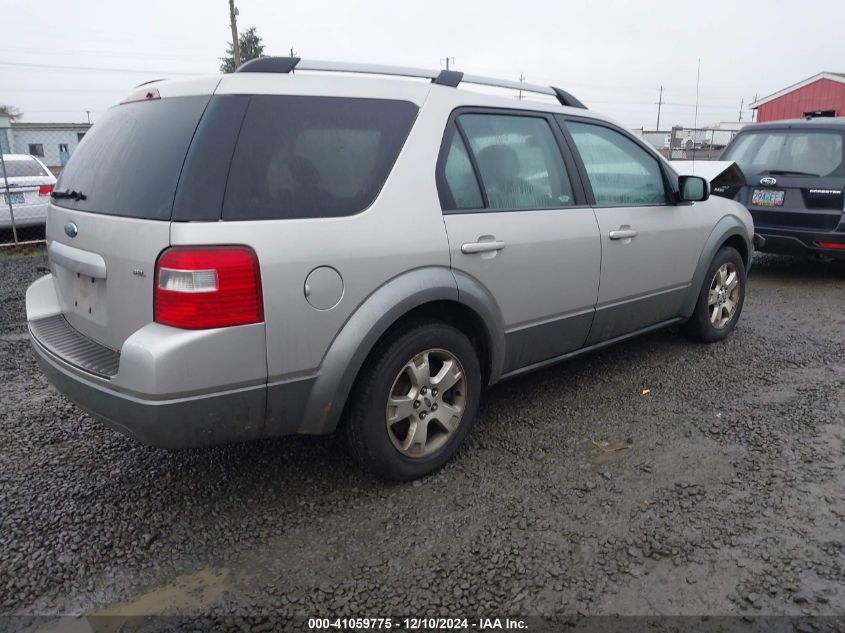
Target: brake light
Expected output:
[45,190]
[831,245]
[144,94]
[202,287]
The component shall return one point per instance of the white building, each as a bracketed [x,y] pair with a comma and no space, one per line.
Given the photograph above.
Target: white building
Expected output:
[53,143]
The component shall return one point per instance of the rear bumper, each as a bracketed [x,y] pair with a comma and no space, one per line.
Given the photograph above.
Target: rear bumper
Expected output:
[166,387]
[25,214]
[798,242]
[206,420]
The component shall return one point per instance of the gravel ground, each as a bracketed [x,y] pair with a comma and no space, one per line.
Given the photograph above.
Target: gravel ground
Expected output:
[721,491]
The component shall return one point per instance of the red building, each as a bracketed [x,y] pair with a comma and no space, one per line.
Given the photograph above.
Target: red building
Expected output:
[820,95]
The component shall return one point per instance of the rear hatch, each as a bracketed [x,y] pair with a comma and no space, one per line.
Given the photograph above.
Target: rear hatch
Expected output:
[109,218]
[795,176]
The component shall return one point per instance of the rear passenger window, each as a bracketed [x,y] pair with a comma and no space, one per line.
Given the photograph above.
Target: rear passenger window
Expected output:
[460,177]
[305,157]
[621,172]
[518,160]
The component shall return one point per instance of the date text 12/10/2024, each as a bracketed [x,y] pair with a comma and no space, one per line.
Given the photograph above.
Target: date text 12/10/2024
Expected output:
[414,624]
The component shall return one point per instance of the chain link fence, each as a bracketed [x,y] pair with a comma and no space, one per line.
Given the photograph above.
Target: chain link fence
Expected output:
[681,143]
[32,159]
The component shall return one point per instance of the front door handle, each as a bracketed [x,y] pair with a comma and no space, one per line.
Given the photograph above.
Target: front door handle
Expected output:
[482,247]
[623,234]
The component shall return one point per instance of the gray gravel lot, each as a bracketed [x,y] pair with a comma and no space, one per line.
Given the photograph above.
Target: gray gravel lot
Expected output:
[720,491]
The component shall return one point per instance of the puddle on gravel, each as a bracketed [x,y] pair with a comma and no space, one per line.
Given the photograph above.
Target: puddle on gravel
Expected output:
[190,592]
[605,451]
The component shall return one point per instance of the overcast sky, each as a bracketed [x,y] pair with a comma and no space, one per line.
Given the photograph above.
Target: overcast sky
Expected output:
[612,54]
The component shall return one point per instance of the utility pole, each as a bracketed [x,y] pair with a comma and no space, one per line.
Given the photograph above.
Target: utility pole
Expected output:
[521,80]
[695,121]
[741,105]
[659,105]
[447,60]
[88,114]
[754,111]
[233,20]
[292,52]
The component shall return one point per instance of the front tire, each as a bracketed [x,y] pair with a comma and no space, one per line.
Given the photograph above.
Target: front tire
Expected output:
[414,401]
[721,298]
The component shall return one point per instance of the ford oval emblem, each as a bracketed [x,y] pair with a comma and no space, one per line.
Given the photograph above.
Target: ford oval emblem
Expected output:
[71,230]
[768,181]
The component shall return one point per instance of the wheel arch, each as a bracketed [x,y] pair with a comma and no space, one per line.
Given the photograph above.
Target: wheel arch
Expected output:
[729,231]
[433,293]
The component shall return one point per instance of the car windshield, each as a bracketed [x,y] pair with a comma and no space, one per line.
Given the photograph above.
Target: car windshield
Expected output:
[22,168]
[816,153]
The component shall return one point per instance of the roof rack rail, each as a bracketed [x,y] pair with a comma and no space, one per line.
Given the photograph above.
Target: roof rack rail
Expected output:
[448,78]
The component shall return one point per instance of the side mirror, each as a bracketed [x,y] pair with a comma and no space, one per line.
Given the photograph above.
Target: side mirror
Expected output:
[693,188]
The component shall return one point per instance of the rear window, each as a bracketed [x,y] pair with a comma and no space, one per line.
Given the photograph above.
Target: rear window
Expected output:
[816,153]
[22,168]
[305,157]
[129,163]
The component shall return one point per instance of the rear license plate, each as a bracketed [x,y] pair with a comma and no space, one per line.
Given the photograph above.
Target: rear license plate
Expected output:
[767,198]
[17,198]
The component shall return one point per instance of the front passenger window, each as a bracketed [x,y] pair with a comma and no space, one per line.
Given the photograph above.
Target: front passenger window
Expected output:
[621,172]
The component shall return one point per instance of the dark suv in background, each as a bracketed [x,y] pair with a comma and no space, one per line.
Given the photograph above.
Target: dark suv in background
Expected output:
[795,184]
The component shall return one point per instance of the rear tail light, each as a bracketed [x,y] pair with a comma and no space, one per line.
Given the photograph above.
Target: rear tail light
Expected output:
[45,190]
[203,287]
[831,245]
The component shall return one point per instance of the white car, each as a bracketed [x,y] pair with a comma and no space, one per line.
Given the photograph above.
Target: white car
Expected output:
[30,186]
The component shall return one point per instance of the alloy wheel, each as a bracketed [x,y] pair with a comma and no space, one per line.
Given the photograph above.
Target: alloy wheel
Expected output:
[426,403]
[724,295]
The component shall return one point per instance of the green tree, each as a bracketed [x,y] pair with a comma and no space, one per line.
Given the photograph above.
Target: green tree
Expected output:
[250,45]
[10,111]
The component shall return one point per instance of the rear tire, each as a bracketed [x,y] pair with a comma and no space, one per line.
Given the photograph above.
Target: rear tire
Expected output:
[721,298]
[414,401]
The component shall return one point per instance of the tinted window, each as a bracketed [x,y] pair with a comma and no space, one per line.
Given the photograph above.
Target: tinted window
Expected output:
[22,168]
[814,152]
[130,160]
[519,161]
[621,172]
[36,149]
[301,157]
[460,177]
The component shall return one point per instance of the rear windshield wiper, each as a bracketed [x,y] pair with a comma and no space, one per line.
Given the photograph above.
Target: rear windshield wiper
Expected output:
[789,172]
[68,193]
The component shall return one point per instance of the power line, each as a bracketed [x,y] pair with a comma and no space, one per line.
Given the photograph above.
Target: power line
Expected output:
[100,68]
[111,53]
[80,90]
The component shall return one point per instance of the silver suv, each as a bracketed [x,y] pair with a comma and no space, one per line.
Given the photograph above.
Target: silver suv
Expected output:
[270,252]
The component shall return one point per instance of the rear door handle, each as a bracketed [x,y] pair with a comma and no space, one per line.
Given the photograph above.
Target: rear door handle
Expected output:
[482,247]
[623,234]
